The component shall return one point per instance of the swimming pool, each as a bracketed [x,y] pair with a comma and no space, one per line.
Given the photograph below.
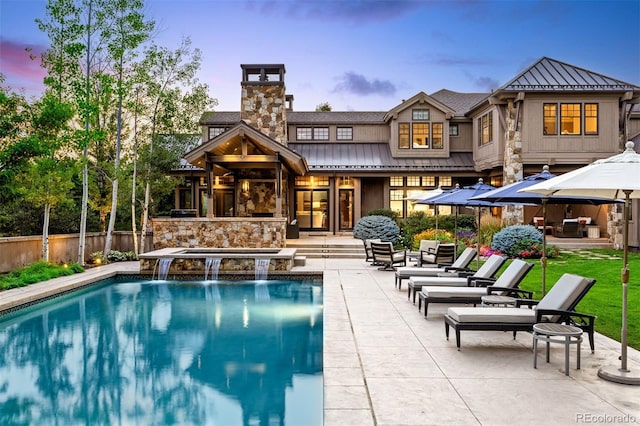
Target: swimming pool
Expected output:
[166,352]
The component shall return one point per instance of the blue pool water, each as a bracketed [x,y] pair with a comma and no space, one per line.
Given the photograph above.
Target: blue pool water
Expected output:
[156,353]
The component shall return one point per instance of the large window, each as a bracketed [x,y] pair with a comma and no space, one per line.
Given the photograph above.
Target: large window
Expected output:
[570,119]
[485,128]
[420,135]
[396,202]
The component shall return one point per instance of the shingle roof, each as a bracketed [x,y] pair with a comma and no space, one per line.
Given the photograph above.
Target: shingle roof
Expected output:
[461,103]
[548,74]
[335,117]
[341,157]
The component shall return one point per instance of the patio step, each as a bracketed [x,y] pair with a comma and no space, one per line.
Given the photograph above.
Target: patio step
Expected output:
[313,249]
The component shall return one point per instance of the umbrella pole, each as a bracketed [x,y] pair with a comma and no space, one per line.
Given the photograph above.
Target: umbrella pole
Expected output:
[623,374]
[478,242]
[543,260]
[455,227]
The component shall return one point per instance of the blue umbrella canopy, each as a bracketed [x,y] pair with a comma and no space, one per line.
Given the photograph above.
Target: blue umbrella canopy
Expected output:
[509,194]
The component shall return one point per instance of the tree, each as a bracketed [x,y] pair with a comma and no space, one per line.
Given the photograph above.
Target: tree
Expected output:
[165,78]
[128,32]
[325,106]
[48,179]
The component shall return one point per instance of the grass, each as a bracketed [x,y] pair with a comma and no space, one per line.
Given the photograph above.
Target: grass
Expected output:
[605,298]
[37,272]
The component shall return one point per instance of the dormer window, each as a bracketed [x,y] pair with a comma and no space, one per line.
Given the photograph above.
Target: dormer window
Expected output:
[420,135]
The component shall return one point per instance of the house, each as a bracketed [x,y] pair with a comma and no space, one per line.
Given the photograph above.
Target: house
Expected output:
[326,169]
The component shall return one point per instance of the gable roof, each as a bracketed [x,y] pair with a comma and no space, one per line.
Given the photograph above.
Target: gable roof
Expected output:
[549,74]
[419,97]
[228,145]
[461,103]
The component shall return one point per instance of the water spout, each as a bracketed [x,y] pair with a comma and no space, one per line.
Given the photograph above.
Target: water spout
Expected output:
[163,265]
[212,264]
[261,292]
[262,268]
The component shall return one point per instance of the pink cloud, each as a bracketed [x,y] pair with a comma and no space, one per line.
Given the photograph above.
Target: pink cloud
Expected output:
[21,67]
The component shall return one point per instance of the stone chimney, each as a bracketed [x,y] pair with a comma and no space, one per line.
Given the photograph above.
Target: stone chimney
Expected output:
[263,103]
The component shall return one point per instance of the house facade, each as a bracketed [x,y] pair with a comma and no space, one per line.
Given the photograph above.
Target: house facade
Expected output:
[326,169]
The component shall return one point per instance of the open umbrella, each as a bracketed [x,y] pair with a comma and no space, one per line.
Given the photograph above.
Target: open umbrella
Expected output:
[429,200]
[613,177]
[509,194]
[463,197]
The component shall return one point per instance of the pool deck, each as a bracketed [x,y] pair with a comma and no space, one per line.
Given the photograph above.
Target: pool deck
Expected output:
[385,364]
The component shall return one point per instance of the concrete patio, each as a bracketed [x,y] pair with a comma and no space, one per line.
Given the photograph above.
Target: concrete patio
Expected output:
[385,364]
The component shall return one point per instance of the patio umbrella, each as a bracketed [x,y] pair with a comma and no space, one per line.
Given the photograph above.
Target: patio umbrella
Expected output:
[509,194]
[463,197]
[614,177]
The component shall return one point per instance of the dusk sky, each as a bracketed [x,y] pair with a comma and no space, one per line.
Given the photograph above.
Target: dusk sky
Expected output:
[365,55]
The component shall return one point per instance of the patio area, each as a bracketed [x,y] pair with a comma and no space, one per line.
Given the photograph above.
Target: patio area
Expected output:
[385,364]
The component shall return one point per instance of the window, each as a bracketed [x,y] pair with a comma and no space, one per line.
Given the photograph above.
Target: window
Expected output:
[485,128]
[444,180]
[428,181]
[321,133]
[312,181]
[436,136]
[550,112]
[304,133]
[344,133]
[570,119]
[420,114]
[396,181]
[396,202]
[420,135]
[590,119]
[413,180]
[454,130]
[215,131]
[403,135]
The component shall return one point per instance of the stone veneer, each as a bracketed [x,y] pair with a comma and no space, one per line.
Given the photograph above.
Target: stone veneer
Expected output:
[231,232]
[263,107]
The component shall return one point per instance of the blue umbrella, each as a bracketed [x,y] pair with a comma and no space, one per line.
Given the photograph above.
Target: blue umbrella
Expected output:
[509,194]
[464,197]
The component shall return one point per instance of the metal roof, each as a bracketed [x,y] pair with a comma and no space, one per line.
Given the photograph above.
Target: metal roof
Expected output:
[374,157]
[551,75]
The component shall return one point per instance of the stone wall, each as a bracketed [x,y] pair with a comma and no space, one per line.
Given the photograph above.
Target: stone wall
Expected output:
[263,107]
[239,232]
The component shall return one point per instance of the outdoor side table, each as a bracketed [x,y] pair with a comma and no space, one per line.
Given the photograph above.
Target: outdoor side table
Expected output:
[557,333]
[497,300]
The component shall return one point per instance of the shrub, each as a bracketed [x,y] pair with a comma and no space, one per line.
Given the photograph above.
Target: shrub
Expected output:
[430,234]
[37,272]
[383,227]
[513,240]
[392,214]
[121,256]
[489,226]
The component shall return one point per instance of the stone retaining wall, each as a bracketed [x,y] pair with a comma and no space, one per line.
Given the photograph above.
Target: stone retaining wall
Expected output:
[232,232]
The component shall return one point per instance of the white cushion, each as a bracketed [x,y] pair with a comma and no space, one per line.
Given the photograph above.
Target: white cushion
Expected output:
[436,291]
[493,315]
[410,271]
[439,281]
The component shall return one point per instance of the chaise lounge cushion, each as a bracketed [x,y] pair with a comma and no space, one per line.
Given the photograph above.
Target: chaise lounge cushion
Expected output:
[492,315]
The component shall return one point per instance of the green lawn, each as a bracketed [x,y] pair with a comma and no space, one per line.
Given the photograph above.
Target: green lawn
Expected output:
[605,298]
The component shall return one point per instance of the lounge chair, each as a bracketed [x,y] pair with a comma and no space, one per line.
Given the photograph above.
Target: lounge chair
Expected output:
[557,306]
[509,279]
[385,256]
[458,278]
[444,255]
[461,264]
[367,248]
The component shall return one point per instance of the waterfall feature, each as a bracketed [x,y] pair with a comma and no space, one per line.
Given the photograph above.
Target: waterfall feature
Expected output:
[212,264]
[163,265]
[262,268]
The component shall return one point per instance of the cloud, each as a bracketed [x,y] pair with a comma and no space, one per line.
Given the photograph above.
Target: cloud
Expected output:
[355,11]
[21,65]
[487,84]
[357,84]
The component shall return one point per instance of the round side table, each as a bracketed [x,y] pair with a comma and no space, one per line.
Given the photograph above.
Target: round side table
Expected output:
[557,333]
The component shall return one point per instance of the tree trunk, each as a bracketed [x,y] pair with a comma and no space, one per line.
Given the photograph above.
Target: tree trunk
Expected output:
[45,233]
[134,230]
[145,215]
